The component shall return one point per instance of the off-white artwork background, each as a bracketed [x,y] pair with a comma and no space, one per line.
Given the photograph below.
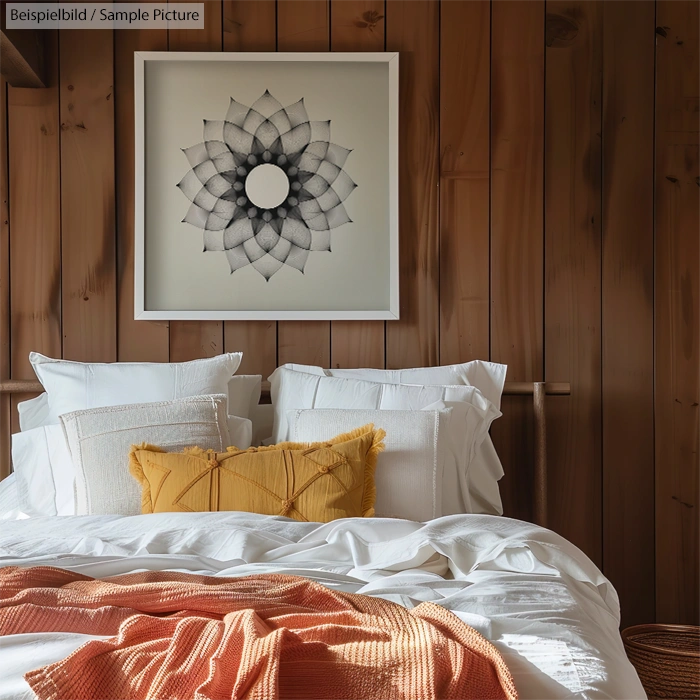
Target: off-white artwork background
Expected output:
[179,95]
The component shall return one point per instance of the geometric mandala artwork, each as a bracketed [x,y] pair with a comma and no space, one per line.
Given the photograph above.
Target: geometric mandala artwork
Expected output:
[267,186]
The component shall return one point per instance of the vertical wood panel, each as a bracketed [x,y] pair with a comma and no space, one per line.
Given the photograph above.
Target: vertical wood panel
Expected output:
[5,346]
[303,25]
[251,26]
[465,184]
[208,39]
[35,223]
[573,114]
[627,288]
[357,25]
[138,341]
[517,124]
[677,322]
[87,195]
[413,28]
[190,340]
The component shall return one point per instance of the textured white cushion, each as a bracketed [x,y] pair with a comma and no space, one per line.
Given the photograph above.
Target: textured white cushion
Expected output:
[298,390]
[422,472]
[44,470]
[99,440]
[75,386]
[488,377]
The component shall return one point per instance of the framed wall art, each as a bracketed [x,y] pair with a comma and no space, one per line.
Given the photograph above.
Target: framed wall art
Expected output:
[266,186]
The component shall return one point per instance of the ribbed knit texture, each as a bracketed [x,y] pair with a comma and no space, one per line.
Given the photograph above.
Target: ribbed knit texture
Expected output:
[184,636]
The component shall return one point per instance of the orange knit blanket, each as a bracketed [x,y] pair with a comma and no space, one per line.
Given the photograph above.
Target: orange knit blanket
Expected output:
[268,636]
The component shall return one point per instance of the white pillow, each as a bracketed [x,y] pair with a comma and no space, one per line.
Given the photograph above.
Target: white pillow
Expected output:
[243,397]
[487,377]
[290,389]
[423,471]
[244,394]
[33,413]
[44,470]
[99,440]
[240,432]
[263,419]
[75,386]
[297,390]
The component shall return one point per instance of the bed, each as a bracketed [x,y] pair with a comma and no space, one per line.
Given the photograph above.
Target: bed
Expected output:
[545,606]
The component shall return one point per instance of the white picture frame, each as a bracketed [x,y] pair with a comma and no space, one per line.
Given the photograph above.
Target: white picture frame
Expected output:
[147,67]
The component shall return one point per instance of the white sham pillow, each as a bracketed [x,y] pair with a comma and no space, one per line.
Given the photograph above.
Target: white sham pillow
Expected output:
[99,440]
[74,386]
[298,390]
[243,397]
[44,470]
[290,389]
[263,419]
[423,472]
[488,377]
[33,413]
[240,432]
[244,394]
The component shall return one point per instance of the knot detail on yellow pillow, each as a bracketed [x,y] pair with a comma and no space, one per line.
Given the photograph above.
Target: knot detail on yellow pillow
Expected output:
[315,482]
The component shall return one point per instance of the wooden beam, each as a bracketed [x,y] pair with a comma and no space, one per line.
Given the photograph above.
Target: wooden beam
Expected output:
[22,57]
[20,386]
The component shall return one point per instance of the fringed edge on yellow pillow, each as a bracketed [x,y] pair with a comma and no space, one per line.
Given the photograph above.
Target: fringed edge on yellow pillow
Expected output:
[369,495]
[137,472]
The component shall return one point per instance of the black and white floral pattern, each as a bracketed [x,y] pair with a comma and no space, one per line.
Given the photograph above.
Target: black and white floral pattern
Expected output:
[316,185]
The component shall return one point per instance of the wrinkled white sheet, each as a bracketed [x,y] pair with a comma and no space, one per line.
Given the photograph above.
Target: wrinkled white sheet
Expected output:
[544,604]
[9,499]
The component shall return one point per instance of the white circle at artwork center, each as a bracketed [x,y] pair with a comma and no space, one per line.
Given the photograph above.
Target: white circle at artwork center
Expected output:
[267,186]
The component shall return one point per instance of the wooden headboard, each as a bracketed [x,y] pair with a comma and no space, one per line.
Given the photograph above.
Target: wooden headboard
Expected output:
[538,391]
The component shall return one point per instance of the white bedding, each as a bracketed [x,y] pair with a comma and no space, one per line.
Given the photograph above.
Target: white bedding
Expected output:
[544,604]
[9,500]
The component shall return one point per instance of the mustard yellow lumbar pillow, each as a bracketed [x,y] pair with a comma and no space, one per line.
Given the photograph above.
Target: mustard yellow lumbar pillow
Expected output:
[316,482]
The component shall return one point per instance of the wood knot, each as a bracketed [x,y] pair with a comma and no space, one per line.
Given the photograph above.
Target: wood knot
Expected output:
[560,31]
[368,20]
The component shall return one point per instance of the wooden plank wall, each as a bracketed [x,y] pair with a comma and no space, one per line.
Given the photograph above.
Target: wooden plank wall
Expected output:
[677,289]
[549,220]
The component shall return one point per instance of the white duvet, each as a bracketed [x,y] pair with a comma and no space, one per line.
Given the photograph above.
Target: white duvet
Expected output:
[543,603]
